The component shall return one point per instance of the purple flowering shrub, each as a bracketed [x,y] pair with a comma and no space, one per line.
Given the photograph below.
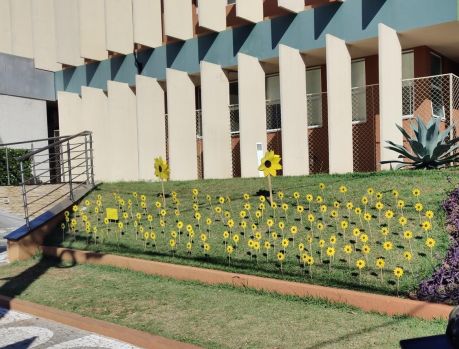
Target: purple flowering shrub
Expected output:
[443,285]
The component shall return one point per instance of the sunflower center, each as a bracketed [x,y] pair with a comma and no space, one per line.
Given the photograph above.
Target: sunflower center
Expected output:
[267,164]
[160,168]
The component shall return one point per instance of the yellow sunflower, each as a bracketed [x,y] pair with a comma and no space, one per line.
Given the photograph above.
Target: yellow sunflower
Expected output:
[161,169]
[270,164]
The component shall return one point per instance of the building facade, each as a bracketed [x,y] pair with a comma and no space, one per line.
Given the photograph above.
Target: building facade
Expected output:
[208,84]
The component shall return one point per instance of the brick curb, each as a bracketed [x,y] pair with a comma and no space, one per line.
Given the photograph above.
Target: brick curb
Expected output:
[103,328]
[365,301]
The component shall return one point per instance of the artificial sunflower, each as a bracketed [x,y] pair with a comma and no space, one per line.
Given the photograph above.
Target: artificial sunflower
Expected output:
[270,164]
[162,172]
[161,169]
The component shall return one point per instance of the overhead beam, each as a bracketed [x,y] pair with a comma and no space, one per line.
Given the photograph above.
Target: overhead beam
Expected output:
[181,108]
[216,123]
[295,148]
[390,90]
[339,94]
[252,112]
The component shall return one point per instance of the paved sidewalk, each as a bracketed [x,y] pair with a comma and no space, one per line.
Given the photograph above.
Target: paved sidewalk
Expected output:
[8,223]
[23,331]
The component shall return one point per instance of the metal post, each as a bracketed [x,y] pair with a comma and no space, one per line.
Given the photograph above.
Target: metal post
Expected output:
[7,167]
[70,170]
[62,163]
[91,157]
[86,159]
[34,170]
[24,196]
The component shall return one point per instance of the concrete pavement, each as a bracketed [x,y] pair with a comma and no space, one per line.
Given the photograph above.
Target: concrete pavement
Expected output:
[8,223]
[23,331]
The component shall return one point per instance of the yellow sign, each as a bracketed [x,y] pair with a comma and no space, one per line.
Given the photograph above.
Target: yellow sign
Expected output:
[112,214]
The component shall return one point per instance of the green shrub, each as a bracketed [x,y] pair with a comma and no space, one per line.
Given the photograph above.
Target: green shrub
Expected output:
[14,166]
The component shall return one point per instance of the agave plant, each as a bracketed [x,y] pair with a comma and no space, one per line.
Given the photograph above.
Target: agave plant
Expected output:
[430,147]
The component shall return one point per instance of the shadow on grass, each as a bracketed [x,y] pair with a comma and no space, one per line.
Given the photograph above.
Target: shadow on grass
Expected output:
[356,334]
[18,284]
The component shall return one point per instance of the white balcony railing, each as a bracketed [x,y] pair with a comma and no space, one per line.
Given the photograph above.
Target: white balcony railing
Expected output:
[436,96]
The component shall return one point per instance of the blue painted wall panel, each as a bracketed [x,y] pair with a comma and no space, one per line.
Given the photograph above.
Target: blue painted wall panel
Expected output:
[352,20]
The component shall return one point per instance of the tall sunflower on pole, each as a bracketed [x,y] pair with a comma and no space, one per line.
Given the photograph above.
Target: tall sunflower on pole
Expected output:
[270,164]
[162,171]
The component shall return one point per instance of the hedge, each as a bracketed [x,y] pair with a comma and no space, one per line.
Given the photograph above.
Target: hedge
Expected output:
[14,166]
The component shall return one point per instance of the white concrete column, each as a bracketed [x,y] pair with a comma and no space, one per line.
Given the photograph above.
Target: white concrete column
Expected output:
[148,22]
[92,29]
[252,112]
[69,105]
[339,86]
[250,10]
[390,90]
[95,118]
[44,35]
[5,27]
[295,148]
[21,24]
[181,109]
[151,120]
[124,157]
[178,19]
[119,27]
[295,6]
[212,14]
[67,24]
[216,123]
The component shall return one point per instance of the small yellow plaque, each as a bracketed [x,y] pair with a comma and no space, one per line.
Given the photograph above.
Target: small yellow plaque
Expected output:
[112,214]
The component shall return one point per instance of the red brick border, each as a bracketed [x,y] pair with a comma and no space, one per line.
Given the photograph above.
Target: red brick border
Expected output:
[103,328]
[365,301]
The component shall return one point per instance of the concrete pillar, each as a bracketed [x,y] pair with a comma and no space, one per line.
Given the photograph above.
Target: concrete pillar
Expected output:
[95,118]
[295,148]
[147,22]
[151,124]
[124,157]
[390,90]
[216,127]
[5,27]
[44,35]
[250,10]
[69,105]
[212,14]
[92,29]
[178,19]
[118,26]
[21,25]
[339,86]
[66,17]
[252,112]
[295,6]
[181,108]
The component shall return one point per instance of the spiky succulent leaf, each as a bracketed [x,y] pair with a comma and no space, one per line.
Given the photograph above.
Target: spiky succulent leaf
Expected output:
[430,147]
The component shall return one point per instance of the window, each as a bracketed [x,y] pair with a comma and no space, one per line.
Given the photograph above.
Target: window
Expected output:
[438,106]
[408,83]
[314,96]
[273,111]
[359,93]
[272,88]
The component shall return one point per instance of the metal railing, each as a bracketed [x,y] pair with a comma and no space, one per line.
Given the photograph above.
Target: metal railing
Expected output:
[8,150]
[428,96]
[65,165]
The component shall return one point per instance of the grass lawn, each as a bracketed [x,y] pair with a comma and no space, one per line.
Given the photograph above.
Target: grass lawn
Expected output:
[376,238]
[210,316]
